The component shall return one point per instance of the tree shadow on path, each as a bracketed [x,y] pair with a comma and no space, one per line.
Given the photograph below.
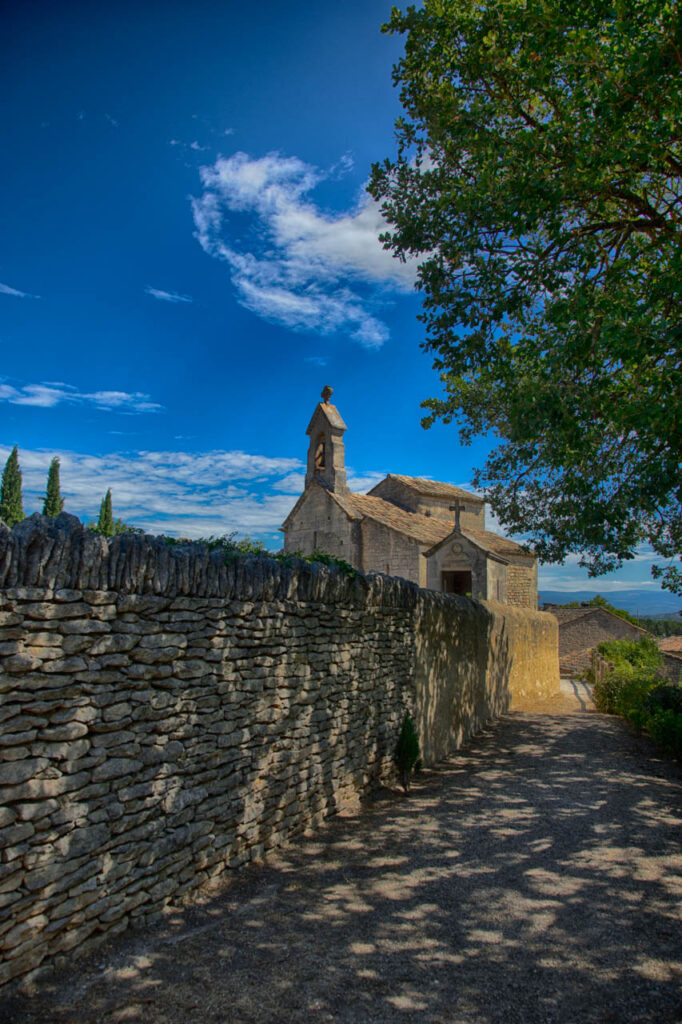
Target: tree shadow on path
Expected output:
[534,877]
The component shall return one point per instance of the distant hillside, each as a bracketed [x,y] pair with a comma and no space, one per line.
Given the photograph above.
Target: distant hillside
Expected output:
[637,602]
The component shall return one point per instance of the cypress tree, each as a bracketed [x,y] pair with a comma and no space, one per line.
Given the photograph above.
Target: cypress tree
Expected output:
[105,523]
[406,756]
[11,506]
[54,503]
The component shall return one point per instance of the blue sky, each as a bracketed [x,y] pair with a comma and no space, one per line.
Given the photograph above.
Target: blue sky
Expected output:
[188,255]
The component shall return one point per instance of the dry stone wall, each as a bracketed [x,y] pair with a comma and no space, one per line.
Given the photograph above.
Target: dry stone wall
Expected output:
[164,716]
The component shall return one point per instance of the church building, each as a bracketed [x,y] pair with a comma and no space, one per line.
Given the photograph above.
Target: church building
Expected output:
[430,533]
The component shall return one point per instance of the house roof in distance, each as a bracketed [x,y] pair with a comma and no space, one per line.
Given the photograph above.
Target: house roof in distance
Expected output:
[564,614]
[432,488]
[670,644]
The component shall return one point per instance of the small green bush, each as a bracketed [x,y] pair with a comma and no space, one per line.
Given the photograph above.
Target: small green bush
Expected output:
[632,654]
[623,691]
[407,756]
[604,693]
[248,548]
[321,556]
[665,697]
[665,728]
[635,690]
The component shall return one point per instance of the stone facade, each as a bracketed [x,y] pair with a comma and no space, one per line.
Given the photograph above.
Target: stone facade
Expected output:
[582,629]
[166,716]
[672,667]
[428,532]
[522,584]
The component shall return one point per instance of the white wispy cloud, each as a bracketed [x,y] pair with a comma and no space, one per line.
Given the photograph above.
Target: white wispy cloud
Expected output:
[6,290]
[557,580]
[300,266]
[571,575]
[178,493]
[190,494]
[48,394]
[158,293]
[294,483]
[363,482]
[185,494]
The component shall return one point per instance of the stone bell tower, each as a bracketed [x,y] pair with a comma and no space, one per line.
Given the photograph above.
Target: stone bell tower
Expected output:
[326,454]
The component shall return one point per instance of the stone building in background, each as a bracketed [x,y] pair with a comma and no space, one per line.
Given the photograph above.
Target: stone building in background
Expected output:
[428,532]
[582,629]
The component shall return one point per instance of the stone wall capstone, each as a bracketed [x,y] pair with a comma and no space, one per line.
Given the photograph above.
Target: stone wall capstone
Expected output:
[165,716]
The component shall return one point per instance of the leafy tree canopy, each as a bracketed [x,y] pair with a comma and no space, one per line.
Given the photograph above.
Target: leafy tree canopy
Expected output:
[662,627]
[538,181]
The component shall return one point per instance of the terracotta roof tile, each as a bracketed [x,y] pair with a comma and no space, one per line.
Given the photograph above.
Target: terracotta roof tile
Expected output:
[497,544]
[670,644]
[433,487]
[426,529]
[565,614]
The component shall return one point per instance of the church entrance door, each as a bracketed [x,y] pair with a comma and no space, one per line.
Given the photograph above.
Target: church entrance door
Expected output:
[456,583]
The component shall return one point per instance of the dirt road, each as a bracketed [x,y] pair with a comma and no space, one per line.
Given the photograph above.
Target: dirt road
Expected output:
[535,877]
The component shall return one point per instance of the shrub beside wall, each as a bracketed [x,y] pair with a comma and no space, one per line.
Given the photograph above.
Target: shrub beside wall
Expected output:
[631,684]
[165,716]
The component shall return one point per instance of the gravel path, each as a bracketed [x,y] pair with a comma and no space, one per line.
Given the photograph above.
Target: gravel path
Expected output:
[535,877]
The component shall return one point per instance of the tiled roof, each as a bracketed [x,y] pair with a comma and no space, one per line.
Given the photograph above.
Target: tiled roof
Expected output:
[564,614]
[426,529]
[498,545]
[671,644]
[433,487]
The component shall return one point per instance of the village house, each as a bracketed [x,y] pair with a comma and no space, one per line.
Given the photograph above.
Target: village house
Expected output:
[671,649]
[428,532]
[582,629]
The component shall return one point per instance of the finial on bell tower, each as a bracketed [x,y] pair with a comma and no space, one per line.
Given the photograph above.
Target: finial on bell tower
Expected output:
[327,393]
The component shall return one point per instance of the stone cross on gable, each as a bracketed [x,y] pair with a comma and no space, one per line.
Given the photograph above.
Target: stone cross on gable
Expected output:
[457,509]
